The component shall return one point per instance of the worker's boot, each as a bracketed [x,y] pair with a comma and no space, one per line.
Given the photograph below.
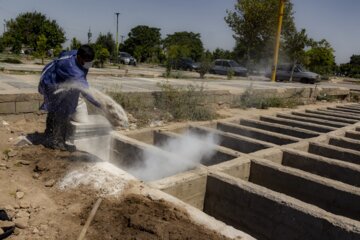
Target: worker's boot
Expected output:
[59,136]
[63,146]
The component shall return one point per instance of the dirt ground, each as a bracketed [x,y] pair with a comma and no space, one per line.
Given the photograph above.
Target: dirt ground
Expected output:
[28,177]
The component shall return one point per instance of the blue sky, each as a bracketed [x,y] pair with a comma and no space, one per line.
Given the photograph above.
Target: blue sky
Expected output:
[335,20]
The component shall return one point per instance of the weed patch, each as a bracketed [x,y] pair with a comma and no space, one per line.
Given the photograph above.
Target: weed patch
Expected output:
[251,100]
[328,98]
[168,104]
[11,60]
[184,103]
[173,74]
[230,74]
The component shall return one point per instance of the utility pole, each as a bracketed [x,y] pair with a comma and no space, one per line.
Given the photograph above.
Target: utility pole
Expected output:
[89,36]
[277,41]
[4,26]
[117,35]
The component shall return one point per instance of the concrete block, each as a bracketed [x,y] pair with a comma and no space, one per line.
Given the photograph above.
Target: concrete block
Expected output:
[7,107]
[336,197]
[188,187]
[357,109]
[233,141]
[312,120]
[22,97]
[326,167]
[27,107]
[334,152]
[259,134]
[273,154]
[345,143]
[304,125]
[335,114]
[278,128]
[259,211]
[353,135]
[325,117]
[351,111]
[239,168]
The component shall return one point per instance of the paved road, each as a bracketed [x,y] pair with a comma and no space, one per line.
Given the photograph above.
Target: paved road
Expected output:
[27,83]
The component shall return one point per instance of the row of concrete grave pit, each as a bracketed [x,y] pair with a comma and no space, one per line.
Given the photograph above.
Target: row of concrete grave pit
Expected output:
[292,175]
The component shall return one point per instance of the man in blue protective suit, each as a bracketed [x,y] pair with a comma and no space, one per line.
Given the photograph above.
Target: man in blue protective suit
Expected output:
[70,69]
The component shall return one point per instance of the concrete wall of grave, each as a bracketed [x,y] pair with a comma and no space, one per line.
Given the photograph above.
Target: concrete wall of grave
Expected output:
[20,103]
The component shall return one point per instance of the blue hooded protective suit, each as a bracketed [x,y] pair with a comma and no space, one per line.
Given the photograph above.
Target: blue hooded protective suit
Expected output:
[65,69]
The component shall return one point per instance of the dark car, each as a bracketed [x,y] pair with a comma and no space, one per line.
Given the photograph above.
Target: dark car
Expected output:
[283,73]
[185,64]
[224,66]
[127,59]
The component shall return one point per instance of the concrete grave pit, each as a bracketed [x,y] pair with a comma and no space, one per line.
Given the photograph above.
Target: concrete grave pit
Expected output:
[290,175]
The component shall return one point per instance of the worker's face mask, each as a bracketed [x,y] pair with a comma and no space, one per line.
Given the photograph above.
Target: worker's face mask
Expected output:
[88,65]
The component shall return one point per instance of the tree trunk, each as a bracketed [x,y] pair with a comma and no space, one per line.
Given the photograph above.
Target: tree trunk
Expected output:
[248,59]
[292,71]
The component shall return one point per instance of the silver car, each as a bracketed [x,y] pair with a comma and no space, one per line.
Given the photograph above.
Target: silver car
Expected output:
[283,73]
[126,58]
[224,66]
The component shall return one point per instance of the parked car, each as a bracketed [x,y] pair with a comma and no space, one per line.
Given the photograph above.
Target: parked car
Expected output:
[223,66]
[127,59]
[283,73]
[185,64]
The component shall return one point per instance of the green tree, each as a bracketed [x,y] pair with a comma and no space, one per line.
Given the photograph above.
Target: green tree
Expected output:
[174,53]
[75,44]
[107,41]
[355,60]
[143,42]
[254,25]
[352,68]
[321,58]
[2,46]
[294,47]
[222,54]
[187,44]
[57,50]
[26,28]
[205,64]
[102,54]
[41,47]
[177,51]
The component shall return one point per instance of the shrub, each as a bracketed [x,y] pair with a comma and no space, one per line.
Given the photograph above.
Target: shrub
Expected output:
[204,67]
[325,97]
[102,54]
[168,104]
[11,60]
[184,103]
[251,100]
[230,74]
